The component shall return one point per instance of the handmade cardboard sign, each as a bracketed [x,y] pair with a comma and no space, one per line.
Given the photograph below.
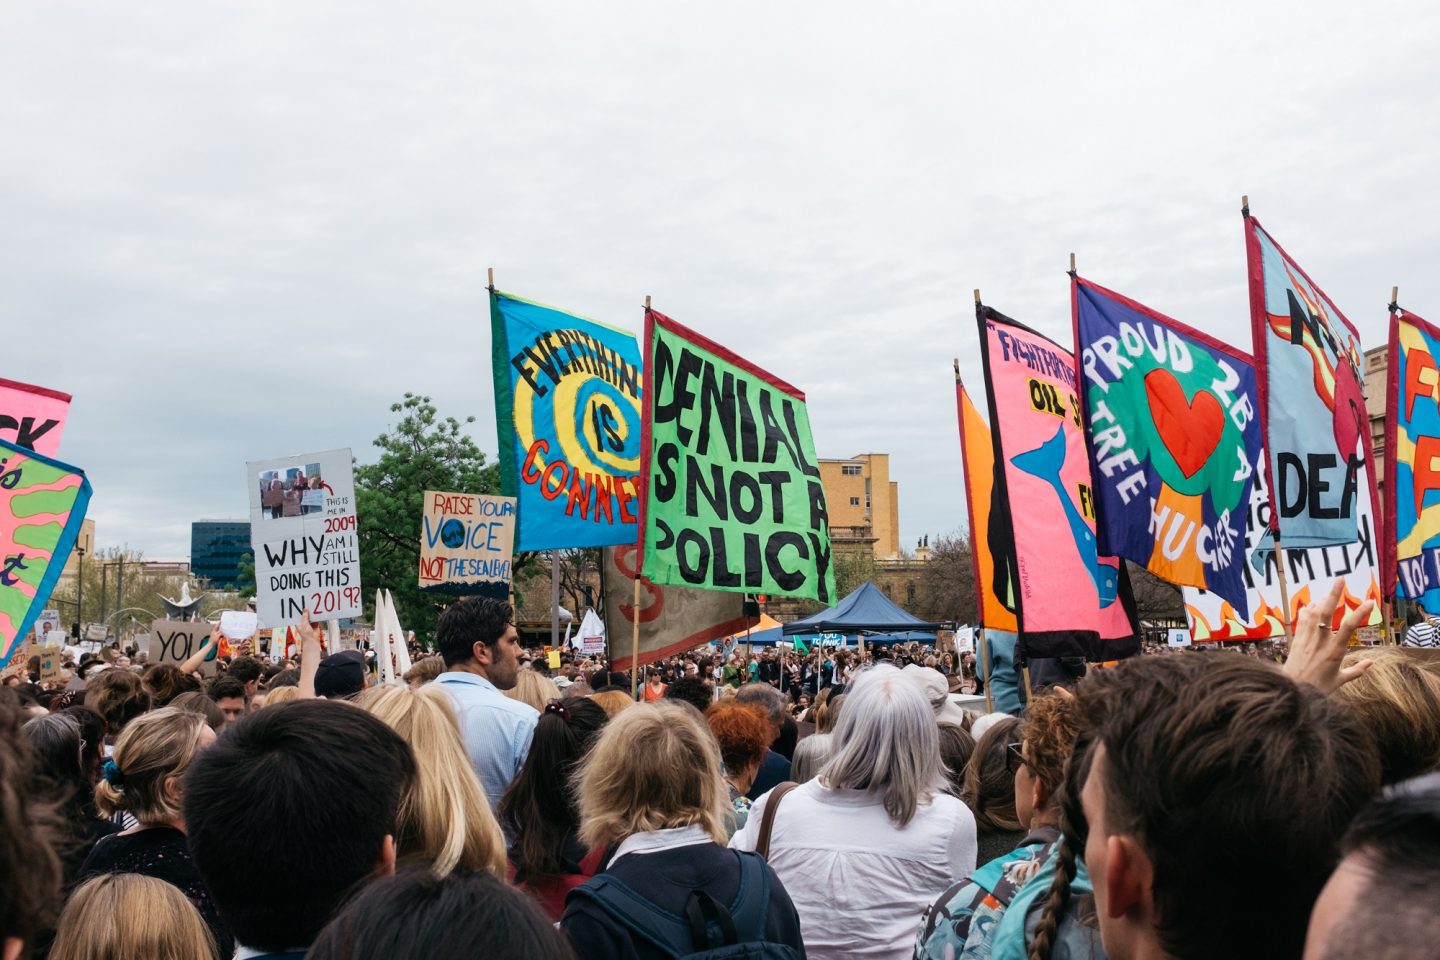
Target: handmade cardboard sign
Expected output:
[466,541]
[50,663]
[175,641]
[303,530]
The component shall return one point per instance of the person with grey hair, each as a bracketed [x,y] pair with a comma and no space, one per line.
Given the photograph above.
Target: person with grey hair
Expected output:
[877,816]
[774,769]
[811,755]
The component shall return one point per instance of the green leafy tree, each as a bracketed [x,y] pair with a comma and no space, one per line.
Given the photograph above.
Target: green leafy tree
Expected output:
[421,452]
[120,590]
[852,568]
[245,575]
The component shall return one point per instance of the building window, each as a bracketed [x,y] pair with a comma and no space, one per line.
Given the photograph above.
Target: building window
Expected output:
[854,501]
[850,469]
[909,594]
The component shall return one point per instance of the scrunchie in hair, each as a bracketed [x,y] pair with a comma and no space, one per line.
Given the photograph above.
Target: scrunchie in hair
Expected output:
[558,707]
[111,773]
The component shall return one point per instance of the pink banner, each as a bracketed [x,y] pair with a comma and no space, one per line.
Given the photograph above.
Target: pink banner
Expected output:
[32,417]
[1069,597]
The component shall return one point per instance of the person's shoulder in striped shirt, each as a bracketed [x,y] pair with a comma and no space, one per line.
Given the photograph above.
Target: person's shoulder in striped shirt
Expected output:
[1422,633]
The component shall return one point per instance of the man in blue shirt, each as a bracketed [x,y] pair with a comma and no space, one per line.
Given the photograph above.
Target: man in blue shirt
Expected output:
[482,657]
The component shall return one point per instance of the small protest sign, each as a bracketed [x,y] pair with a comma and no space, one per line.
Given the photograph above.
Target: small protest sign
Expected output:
[50,663]
[175,641]
[552,659]
[48,620]
[303,530]
[466,541]
[32,417]
[95,632]
[239,624]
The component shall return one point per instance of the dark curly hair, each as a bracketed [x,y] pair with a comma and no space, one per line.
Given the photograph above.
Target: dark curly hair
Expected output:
[472,620]
[30,871]
[691,690]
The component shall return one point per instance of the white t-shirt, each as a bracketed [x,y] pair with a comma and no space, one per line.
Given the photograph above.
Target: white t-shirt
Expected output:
[861,884]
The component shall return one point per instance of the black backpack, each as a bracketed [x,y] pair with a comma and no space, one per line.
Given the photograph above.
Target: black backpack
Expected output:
[707,931]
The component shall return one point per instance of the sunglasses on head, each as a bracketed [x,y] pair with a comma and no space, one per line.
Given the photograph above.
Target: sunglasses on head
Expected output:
[1015,757]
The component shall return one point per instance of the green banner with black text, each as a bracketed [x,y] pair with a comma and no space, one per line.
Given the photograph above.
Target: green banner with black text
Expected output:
[733,497]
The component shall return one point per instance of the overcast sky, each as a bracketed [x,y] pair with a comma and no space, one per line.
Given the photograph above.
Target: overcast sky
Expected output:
[241,231]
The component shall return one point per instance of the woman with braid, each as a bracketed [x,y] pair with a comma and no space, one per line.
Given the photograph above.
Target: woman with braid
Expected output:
[985,914]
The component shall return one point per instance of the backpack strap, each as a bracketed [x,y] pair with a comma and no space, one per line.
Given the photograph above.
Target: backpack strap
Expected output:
[752,901]
[678,936]
[767,822]
[661,929]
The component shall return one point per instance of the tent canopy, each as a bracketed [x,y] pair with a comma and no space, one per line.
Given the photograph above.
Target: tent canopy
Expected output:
[865,610]
[901,636]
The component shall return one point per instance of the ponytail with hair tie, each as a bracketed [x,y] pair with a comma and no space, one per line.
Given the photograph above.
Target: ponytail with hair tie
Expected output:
[113,775]
[558,707]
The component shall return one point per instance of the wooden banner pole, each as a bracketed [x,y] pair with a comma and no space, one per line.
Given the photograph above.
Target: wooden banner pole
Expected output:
[985,666]
[1284,590]
[554,599]
[635,608]
[1387,605]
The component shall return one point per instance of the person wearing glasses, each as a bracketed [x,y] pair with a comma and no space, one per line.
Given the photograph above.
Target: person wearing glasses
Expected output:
[970,917]
[989,788]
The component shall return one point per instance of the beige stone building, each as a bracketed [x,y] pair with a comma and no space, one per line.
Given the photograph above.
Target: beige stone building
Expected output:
[863,503]
[1376,370]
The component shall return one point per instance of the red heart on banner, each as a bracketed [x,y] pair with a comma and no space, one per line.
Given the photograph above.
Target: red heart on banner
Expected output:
[1190,429]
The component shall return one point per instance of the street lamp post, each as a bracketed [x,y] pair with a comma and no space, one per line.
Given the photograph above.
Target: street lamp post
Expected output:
[80,597]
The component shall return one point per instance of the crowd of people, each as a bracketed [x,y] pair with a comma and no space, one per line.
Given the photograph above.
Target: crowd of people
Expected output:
[817,805]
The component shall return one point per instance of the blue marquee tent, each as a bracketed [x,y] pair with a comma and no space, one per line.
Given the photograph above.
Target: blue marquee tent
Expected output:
[866,611]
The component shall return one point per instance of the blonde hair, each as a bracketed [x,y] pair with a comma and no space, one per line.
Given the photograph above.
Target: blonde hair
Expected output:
[425,670]
[118,916]
[281,695]
[445,818]
[530,687]
[654,767]
[154,747]
[1398,701]
[612,701]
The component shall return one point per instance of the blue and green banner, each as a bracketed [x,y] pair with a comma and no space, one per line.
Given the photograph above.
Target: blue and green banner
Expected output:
[567,408]
[1174,432]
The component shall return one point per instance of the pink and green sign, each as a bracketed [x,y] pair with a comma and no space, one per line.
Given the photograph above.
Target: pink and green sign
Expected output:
[42,504]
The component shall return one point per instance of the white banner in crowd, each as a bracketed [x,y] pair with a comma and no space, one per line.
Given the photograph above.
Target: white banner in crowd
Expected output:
[590,638]
[303,530]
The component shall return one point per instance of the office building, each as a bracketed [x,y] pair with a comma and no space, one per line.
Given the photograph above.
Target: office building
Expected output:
[216,548]
[863,503]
